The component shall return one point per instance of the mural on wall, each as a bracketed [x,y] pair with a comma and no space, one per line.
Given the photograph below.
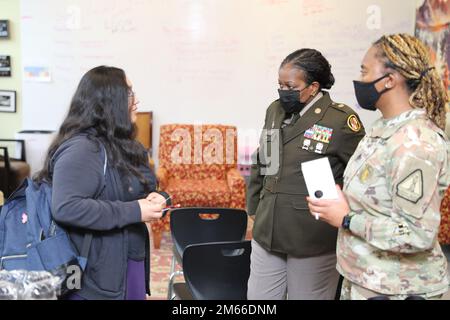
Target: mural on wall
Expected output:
[433,28]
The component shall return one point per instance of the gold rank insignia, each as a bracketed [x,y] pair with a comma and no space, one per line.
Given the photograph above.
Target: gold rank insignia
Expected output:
[365,174]
[353,123]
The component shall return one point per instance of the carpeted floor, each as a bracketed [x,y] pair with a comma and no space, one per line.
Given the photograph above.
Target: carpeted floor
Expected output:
[160,268]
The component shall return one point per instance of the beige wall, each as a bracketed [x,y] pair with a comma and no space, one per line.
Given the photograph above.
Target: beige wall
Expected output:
[10,123]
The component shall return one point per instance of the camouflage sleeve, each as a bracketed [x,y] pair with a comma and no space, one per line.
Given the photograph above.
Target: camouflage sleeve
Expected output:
[414,172]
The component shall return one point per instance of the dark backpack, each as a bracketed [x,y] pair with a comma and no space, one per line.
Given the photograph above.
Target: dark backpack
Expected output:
[31,240]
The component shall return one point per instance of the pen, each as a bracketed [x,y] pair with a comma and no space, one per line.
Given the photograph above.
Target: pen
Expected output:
[171,207]
[164,211]
[317,216]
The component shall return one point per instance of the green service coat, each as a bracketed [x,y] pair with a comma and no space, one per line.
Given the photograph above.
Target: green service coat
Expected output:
[277,192]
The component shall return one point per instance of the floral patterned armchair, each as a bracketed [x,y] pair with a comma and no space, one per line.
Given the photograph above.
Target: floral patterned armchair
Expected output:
[444,230]
[198,168]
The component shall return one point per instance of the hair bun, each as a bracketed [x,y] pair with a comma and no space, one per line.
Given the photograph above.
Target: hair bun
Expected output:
[314,66]
[329,83]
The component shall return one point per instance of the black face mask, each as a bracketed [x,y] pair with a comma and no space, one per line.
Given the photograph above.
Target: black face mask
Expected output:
[366,93]
[290,100]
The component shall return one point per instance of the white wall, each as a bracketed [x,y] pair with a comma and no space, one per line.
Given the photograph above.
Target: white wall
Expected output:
[211,61]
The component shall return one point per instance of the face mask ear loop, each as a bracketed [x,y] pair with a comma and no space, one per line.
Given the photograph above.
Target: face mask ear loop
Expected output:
[381,78]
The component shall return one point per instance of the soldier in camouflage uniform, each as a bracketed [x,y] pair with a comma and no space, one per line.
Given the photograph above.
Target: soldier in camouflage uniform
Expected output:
[393,185]
[400,169]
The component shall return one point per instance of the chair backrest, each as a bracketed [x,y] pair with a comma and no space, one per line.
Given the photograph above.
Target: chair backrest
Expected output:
[144,124]
[5,169]
[189,226]
[16,143]
[9,179]
[218,270]
[198,152]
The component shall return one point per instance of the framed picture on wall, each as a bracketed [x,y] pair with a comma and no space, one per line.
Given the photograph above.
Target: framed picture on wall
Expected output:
[5,66]
[4,29]
[7,101]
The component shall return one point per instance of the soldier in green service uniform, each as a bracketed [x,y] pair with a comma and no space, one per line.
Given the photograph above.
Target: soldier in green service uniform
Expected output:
[293,254]
[394,183]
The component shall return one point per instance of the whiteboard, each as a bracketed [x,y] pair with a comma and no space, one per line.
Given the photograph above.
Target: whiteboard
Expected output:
[196,61]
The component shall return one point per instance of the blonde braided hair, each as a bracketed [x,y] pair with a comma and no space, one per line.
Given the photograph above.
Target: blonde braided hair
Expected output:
[411,58]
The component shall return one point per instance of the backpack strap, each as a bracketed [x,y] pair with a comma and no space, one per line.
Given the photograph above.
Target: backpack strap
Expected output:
[88,236]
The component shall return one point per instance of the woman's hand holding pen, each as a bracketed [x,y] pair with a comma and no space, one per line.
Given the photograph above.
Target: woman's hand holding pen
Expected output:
[150,198]
[152,207]
[158,198]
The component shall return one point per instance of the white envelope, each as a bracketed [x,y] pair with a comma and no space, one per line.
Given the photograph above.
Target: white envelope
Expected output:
[319,179]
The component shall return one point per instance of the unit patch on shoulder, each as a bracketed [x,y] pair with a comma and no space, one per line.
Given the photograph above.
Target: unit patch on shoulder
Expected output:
[411,188]
[353,123]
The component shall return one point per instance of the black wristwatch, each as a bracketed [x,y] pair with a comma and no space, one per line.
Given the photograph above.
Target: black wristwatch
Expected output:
[346,222]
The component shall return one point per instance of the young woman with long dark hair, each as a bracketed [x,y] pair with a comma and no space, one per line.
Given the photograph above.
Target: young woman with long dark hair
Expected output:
[114,204]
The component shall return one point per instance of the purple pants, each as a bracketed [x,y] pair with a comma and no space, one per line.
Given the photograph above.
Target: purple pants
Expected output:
[135,282]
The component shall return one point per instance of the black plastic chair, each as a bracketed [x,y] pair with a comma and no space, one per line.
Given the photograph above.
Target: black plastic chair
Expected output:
[215,271]
[188,226]
[12,170]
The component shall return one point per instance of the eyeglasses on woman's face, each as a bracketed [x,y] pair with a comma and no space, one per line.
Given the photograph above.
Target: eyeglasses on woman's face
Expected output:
[132,97]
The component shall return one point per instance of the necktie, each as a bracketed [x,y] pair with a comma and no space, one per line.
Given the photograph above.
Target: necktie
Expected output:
[295,118]
[290,121]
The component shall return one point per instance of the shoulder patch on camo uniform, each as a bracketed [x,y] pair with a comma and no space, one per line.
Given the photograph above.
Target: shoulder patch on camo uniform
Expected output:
[411,188]
[353,123]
